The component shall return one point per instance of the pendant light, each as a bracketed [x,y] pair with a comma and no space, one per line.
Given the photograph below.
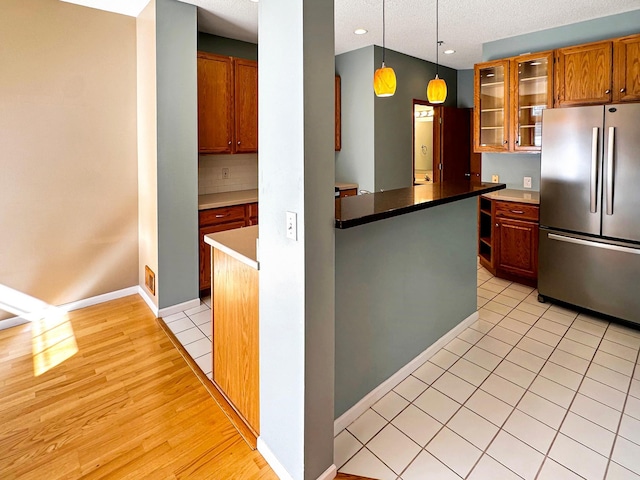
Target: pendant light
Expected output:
[437,88]
[384,79]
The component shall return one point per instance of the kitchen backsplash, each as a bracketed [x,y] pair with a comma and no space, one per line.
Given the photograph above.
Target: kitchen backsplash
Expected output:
[243,173]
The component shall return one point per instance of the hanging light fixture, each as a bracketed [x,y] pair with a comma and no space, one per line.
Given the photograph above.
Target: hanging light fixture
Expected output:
[384,79]
[437,88]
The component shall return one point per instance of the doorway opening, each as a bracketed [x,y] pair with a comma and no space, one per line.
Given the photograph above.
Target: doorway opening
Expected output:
[422,143]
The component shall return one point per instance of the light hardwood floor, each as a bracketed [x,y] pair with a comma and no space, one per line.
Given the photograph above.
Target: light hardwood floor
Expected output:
[125,406]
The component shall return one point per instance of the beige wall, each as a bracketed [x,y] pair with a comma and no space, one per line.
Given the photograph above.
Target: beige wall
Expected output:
[68,155]
[147,144]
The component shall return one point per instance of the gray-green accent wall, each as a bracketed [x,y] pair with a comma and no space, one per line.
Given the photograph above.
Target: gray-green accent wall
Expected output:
[177,113]
[512,168]
[377,142]
[465,88]
[227,46]
[401,284]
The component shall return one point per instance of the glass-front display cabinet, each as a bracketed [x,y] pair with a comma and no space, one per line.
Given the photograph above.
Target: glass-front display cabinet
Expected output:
[491,102]
[532,93]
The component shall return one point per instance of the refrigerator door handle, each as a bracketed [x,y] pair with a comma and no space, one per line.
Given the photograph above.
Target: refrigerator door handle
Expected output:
[594,170]
[610,144]
[589,243]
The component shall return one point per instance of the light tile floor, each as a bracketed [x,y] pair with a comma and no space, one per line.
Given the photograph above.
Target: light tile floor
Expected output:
[530,390]
[192,328]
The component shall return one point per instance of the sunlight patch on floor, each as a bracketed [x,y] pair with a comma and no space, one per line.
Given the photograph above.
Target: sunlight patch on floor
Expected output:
[53,340]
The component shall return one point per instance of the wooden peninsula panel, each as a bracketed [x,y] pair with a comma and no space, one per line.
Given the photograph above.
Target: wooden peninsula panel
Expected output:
[235,335]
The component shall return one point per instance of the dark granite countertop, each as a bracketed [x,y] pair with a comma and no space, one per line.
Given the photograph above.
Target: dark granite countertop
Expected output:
[361,209]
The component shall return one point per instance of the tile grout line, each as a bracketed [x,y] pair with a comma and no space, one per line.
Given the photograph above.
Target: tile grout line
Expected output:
[624,406]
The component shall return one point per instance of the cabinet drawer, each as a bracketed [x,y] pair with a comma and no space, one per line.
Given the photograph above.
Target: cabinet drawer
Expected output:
[349,192]
[214,216]
[519,211]
[252,210]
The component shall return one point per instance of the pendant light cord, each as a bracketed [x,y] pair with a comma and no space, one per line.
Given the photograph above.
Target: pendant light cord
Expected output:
[383,32]
[437,39]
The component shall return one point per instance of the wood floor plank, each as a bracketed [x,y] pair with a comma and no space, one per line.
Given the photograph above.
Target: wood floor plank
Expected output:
[125,405]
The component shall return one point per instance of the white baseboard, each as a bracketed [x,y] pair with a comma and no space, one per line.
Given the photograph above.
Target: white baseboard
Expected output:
[273,461]
[329,474]
[68,307]
[105,297]
[348,417]
[147,299]
[165,312]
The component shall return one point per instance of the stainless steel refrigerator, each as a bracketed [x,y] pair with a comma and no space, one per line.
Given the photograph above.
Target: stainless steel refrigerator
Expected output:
[589,252]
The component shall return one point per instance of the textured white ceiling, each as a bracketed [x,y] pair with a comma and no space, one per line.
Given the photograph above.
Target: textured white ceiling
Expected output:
[464,24]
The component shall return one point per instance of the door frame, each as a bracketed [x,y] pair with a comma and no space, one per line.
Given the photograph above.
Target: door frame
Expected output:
[426,103]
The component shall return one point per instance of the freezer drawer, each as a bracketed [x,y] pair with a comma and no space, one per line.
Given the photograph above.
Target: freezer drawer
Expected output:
[589,273]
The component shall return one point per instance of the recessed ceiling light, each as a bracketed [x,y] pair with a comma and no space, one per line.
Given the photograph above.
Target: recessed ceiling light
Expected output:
[360,31]
[254,1]
[449,52]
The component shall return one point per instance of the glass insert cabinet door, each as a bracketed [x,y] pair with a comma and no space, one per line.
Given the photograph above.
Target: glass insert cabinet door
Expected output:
[532,94]
[491,110]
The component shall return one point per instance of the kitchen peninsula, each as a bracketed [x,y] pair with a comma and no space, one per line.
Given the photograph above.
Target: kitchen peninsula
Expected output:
[405,276]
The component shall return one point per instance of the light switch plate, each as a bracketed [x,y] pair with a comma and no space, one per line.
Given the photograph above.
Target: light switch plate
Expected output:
[495,178]
[527,182]
[292,226]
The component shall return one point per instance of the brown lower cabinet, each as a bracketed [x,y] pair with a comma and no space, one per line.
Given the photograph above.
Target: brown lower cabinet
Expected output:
[236,366]
[218,220]
[508,239]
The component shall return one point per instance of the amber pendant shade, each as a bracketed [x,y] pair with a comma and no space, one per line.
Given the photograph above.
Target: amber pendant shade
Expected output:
[437,90]
[384,81]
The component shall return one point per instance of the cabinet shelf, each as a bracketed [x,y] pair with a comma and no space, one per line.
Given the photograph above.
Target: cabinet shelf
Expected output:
[531,79]
[528,126]
[486,241]
[484,110]
[486,212]
[499,127]
[492,84]
[522,107]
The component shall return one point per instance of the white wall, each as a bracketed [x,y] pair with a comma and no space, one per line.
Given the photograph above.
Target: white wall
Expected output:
[296,173]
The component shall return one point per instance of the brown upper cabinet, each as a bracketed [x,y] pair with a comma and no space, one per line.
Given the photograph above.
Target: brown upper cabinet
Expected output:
[584,74]
[510,95]
[227,104]
[626,72]
[531,93]
[600,72]
[491,102]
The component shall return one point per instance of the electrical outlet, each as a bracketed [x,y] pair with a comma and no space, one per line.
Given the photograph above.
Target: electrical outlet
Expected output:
[495,178]
[225,173]
[527,182]
[292,226]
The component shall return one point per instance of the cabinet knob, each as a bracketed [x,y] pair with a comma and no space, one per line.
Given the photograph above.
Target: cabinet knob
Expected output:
[238,143]
[497,225]
[622,90]
[607,91]
[229,143]
[505,142]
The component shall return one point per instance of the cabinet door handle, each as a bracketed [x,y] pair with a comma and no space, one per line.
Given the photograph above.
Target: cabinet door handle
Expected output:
[238,142]
[229,142]
[622,90]
[220,215]
[607,91]
[497,224]
[505,142]
[517,211]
